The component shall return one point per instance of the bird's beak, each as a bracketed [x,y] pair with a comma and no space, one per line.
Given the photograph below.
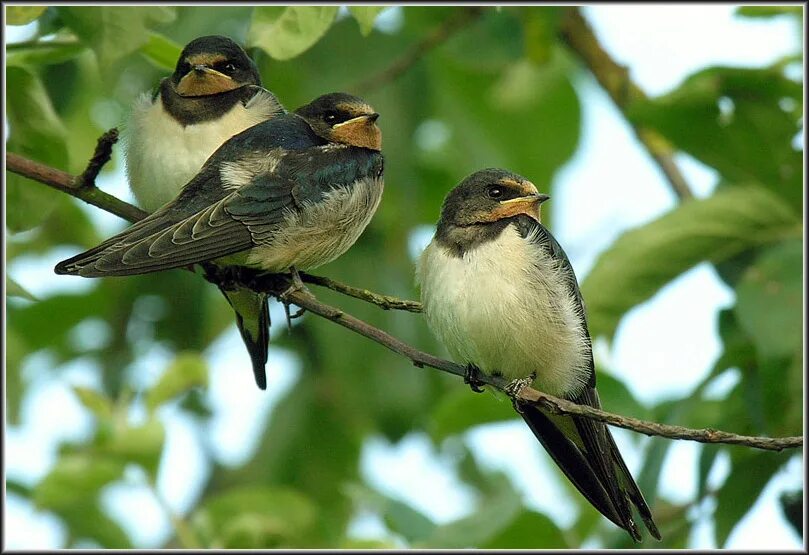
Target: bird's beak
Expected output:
[528,205]
[360,131]
[203,80]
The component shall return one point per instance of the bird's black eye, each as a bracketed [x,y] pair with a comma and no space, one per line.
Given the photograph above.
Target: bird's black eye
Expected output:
[230,67]
[494,191]
[330,117]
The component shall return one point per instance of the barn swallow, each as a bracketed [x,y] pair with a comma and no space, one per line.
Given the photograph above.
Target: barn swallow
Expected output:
[500,293]
[291,193]
[214,93]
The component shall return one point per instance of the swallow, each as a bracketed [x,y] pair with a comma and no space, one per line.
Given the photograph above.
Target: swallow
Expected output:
[214,93]
[291,193]
[501,295]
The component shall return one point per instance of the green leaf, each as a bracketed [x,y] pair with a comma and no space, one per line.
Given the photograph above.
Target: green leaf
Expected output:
[286,32]
[142,444]
[644,259]
[76,477]
[770,299]
[35,132]
[161,51]
[15,352]
[740,121]
[44,54]
[95,401]
[462,409]
[751,471]
[399,517]
[14,289]
[540,26]
[114,32]
[769,11]
[707,457]
[256,517]
[365,16]
[494,515]
[22,15]
[187,370]
[529,530]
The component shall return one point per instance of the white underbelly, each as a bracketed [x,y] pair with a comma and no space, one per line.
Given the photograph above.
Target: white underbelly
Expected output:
[321,232]
[162,155]
[504,308]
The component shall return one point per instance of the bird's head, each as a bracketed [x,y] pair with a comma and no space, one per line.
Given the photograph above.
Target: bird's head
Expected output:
[213,65]
[343,118]
[490,195]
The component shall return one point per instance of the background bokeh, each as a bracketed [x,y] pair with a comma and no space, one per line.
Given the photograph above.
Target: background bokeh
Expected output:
[132,419]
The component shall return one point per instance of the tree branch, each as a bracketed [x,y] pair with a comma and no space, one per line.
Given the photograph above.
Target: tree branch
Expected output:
[614,78]
[278,284]
[437,37]
[73,186]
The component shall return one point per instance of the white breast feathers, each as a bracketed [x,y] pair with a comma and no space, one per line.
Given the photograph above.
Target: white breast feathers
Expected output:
[162,155]
[504,307]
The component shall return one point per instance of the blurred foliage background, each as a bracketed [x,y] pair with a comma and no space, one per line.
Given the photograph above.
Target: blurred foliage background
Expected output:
[500,81]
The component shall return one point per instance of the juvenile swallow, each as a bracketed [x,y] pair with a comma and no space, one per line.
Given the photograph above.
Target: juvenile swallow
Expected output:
[291,193]
[214,93]
[500,293]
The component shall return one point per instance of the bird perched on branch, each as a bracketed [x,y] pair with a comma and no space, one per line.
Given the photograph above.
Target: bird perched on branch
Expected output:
[293,192]
[500,293]
[214,93]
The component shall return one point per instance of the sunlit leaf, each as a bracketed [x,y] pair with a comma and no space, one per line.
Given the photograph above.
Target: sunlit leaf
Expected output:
[257,517]
[365,16]
[286,32]
[769,299]
[769,11]
[44,53]
[74,478]
[141,444]
[21,15]
[161,51]
[95,401]
[188,370]
[114,31]
[644,259]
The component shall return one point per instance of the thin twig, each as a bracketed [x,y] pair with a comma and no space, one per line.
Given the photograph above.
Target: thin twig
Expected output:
[384,301]
[438,36]
[101,156]
[614,78]
[278,284]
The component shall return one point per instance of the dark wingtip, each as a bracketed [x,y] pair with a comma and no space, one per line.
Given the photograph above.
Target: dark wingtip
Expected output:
[63,269]
[261,377]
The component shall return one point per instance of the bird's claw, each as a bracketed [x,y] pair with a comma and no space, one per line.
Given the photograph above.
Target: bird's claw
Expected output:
[514,387]
[470,378]
[296,285]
